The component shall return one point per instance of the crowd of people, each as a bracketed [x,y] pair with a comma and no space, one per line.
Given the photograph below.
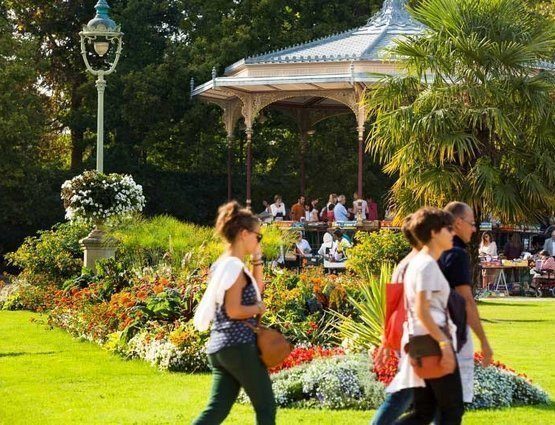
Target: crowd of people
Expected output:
[439,302]
[336,209]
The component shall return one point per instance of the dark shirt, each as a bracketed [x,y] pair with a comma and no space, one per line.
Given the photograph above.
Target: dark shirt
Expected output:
[227,332]
[511,251]
[455,264]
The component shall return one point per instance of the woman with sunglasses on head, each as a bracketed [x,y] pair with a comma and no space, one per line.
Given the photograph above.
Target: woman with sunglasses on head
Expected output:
[427,293]
[232,302]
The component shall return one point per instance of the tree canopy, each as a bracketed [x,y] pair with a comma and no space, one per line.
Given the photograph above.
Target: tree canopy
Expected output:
[473,119]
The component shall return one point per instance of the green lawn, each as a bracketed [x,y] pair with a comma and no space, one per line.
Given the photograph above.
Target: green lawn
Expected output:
[46,377]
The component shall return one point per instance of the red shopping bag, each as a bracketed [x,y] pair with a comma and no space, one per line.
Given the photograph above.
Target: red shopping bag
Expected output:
[395,315]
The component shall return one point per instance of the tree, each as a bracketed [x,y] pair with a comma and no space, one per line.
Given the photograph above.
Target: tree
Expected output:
[473,118]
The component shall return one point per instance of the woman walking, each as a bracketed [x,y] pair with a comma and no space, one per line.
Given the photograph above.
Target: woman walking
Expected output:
[427,292]
[232,301]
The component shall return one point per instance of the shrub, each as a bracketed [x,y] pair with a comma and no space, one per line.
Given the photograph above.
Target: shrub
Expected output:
[54,254]
[20,295]
[365,329]
[372,249]
[274,239]
[340,382]
[166,240]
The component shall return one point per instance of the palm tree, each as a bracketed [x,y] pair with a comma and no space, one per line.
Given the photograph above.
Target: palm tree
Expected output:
[472,117]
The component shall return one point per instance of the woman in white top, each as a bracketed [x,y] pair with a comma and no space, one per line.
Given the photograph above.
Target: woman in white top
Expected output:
[427,293]
[277,209]
[488,247]
[359,204]
[327,245]
[313,214]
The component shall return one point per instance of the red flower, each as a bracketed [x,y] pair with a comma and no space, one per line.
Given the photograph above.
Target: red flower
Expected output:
[302,355]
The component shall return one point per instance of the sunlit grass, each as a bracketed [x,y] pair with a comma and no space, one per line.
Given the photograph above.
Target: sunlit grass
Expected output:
[47,377]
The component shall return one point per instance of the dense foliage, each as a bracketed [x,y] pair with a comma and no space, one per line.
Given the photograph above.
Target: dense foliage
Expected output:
[174,147]
[472,119]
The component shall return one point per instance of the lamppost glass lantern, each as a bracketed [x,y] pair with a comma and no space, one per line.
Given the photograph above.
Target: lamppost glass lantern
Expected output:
[101,35]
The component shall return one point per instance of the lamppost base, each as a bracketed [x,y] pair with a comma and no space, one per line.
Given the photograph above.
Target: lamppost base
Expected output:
[97,246]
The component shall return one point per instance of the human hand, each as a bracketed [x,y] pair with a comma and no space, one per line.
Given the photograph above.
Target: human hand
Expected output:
[261,308]
[447,361]
[487,352]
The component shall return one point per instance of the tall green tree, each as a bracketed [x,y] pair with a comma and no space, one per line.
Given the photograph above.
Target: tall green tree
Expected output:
[473,118]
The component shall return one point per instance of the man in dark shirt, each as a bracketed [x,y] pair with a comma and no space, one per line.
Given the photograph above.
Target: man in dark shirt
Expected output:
[455,265]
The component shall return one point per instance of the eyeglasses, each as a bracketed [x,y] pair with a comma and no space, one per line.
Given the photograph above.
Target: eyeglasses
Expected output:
[259,236]
[472,223]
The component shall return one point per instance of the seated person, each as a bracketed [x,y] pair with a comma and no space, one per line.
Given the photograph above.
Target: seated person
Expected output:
[327,245]
[302,245]
[342,244]
[277,209]
[547,262]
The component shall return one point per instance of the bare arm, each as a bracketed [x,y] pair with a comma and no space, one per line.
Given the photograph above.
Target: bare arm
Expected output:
[473,319]
[422,309]
[233,307]
[258,270]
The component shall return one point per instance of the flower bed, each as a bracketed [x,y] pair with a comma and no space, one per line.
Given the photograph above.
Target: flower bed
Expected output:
[351,382]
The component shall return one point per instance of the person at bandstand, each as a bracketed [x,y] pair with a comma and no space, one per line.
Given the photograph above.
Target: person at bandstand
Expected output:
[487,250]
[277,209]
[359,204]
[298,209]
[513,248]
[488,247]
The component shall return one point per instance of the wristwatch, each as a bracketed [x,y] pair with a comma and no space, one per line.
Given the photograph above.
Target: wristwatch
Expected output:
[444,343]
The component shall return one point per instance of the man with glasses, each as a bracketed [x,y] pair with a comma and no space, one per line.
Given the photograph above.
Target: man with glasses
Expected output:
[455,265]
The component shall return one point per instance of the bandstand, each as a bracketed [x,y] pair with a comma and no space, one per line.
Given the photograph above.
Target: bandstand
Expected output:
[310,82]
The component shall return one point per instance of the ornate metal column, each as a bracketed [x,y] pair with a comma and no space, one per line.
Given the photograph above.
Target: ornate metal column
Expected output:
[361,119]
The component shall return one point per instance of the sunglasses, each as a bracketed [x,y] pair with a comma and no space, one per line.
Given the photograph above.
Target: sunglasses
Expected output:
[259,236]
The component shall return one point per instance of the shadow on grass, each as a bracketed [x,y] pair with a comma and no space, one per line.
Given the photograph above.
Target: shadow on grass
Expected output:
[515,304]
[514,320]
[17,354]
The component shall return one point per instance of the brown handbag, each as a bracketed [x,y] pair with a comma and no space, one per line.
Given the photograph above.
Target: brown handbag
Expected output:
[425,357]
[425,353]
[272,345]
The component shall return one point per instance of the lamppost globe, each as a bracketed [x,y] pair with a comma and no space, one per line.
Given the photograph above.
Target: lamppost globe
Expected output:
[102,33]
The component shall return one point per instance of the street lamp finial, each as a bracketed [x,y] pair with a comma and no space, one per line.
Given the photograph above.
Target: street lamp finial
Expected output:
[102,19]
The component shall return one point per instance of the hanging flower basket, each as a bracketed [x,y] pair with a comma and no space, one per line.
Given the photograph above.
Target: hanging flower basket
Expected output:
[94,197]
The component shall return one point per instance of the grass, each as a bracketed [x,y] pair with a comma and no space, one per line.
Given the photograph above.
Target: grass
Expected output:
[47,377]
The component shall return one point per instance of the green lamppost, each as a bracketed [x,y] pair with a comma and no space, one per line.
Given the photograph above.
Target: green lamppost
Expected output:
[104,35]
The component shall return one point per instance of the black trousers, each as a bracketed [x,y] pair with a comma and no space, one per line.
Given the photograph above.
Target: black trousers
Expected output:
[441,396]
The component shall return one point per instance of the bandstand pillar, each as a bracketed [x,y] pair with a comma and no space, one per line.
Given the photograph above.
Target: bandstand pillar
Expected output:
[249,132]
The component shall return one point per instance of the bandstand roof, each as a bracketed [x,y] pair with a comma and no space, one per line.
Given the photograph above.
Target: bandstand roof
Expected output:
[330,63]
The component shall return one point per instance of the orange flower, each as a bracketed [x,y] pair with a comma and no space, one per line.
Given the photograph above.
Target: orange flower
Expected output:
[158,288]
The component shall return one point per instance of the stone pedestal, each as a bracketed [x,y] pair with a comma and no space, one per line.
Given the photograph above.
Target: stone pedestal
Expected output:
[96,246]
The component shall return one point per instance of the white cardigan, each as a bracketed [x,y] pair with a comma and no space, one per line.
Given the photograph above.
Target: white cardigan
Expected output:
[223,274]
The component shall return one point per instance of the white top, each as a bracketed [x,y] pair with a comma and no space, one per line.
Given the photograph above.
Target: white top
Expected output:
[364,209]
[304,246]
[490,250]
[422,275]
[328,243]
[274,209]
[312,215]
[340,212]
[223,274]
